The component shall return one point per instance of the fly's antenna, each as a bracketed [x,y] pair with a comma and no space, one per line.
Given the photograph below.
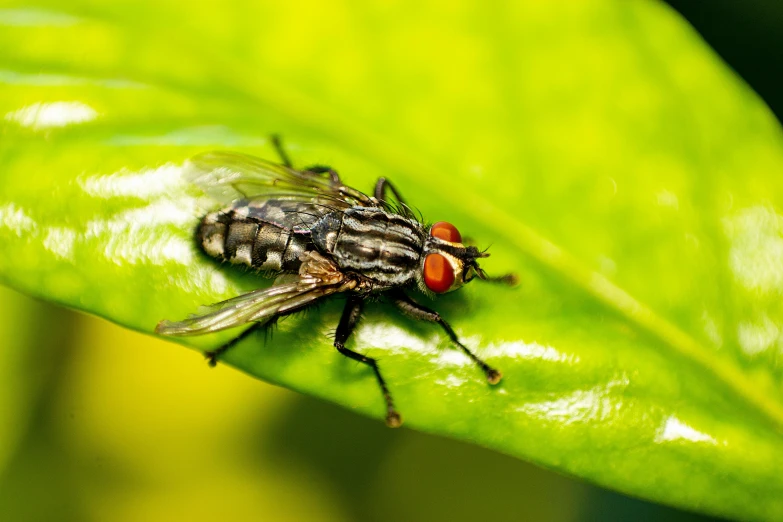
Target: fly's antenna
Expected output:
[474,253]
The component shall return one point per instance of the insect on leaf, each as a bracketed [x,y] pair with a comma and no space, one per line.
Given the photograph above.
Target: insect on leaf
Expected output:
[599,149]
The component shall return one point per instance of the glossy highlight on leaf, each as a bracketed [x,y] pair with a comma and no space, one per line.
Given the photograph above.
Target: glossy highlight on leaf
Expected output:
[599,150]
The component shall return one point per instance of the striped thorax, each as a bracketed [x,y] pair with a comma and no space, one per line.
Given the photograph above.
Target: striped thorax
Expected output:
[383,247]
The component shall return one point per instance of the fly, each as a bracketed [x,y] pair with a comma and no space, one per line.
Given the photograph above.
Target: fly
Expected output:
[320,238]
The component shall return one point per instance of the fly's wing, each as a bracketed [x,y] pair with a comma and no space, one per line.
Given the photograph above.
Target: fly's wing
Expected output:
[257,306]
[229,176]
[318,277]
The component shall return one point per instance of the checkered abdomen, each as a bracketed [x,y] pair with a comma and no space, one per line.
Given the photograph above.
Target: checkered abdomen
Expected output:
[267,235]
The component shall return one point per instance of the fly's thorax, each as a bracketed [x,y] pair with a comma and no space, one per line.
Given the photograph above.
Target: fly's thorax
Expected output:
[381,246]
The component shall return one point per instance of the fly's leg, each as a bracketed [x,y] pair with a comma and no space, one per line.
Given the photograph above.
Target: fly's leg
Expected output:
[214,355]
[417,311]
[350,318]
[325,169]
[277,143]
[505,279]
[381,186]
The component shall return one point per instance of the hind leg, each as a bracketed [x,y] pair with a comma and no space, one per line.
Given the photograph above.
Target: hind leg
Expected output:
[277,143]
[214,355]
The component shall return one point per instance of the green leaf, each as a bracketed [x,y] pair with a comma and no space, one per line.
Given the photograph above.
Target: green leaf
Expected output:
[611,161]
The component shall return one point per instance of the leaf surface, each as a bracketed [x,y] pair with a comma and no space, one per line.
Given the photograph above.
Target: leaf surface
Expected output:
[611,161]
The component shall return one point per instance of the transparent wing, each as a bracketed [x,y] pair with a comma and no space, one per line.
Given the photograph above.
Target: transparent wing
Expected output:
[229,176]
[318,278]
[257,306]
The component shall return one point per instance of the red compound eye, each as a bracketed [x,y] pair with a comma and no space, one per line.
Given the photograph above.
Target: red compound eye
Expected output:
[446,232]
[438,273]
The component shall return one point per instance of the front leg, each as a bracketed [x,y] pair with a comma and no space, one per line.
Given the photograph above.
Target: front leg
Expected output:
[505,279]
[422,313]
[348,321]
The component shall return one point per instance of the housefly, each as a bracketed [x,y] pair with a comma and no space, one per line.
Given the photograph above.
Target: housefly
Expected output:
[320,238]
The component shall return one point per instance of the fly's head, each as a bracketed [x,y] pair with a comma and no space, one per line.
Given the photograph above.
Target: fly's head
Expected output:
[447,264]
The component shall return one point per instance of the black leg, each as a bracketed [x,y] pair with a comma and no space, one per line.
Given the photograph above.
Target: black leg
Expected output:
[214,355]
[350,318]
[416,311]
[505,279]
[325,169]
[380,191]
[277,143]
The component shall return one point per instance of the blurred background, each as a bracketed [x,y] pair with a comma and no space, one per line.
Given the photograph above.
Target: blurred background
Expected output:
[101,423]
